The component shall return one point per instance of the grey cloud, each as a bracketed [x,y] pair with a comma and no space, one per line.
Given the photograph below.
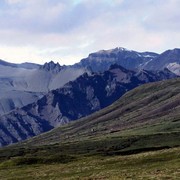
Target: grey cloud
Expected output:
[50,16]
[84,26]
[164,16]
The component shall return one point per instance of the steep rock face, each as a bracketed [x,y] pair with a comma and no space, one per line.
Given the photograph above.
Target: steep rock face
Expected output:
[79,98]
[51,66]
[102,60]
[153,108]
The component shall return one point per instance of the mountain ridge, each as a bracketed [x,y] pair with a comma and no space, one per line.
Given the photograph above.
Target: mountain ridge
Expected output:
[87,94]
[82,91]
[150,112]
[101,60]
[26,65]
[19,86]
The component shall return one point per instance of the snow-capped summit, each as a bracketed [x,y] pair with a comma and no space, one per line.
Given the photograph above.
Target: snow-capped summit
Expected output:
[102,60]
[115,50]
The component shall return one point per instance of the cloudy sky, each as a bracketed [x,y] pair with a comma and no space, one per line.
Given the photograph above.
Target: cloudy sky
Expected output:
[68,30]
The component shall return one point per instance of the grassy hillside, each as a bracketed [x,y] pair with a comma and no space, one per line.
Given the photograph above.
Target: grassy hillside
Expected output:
[163,164]
[150,110]
[107,144]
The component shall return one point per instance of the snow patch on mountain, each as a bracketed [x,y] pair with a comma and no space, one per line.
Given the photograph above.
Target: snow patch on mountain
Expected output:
[117,49]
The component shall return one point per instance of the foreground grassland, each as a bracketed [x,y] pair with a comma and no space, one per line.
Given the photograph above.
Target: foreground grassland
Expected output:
[162,164]
[137,137]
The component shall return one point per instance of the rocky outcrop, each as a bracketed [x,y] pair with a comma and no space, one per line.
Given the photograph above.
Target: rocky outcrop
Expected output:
[51,66]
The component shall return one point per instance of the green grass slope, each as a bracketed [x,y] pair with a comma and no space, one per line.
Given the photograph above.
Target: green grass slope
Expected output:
[106,144]
[146,112]
[163,164]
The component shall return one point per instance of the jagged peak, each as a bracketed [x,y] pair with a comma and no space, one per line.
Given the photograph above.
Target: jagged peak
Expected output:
[51,66]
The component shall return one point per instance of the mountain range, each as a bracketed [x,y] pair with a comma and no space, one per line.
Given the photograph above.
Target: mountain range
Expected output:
[78,98]
[21,84]
[36,98]
[147,116]
[138,136]
[101,60]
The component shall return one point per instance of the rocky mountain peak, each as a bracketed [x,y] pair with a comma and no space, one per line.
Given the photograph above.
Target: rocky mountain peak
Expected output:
[110,51]
[121,49]
[51,66]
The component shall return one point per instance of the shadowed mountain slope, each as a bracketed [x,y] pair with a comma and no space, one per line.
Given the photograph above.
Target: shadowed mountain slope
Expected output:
[108,143]
[79,98]
[21,84]
[148,116]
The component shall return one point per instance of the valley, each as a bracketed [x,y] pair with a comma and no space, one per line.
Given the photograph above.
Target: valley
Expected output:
[89,90]
[88,93]
[140,130]
[76,122]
